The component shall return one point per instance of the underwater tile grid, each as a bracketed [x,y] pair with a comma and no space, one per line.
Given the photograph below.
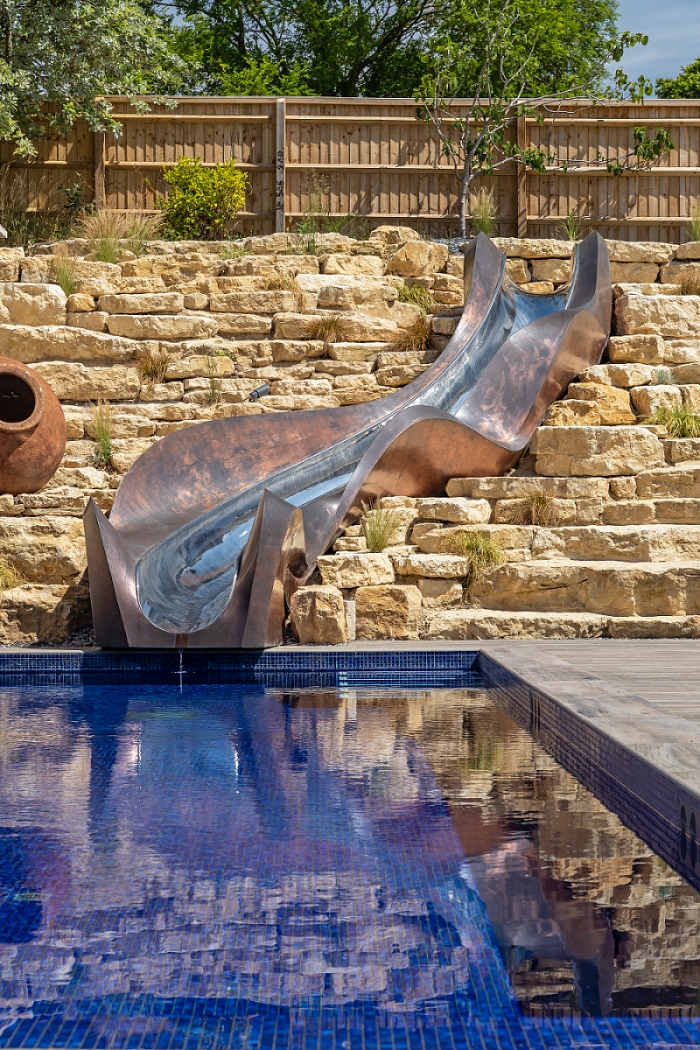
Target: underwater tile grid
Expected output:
[352,866]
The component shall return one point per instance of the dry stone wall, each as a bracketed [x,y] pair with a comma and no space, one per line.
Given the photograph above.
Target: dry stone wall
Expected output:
[188,331]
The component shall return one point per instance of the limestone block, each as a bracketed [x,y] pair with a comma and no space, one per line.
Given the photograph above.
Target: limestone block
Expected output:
[349,570]
[515,487]
[387,612]
[72,381]
[157,303]
[417,258]
[388,358]
[595,451]
[33,304]
[80,303]
[343,368]
[624,488]
[344,292]
[91,322]
[670,316]
[459,509]
[432,566]
[162,392]
[444,324]
[125,424]
[675,272]
[683,450]
[455,266]
[281,371]
[629,512]
[689,250]
[228,391]
[41,269]
[314,387]
[196,301]
[318,615]
[533,248]
[654,627]
[639,251]
[42,614]
[634,272]
[636,349]
[612,403]
[399,375]
[64,500]
[200,365]
[359,265]
[355,351]
[541,287]
[518,270]
[174,269]
[358,390]
[253,302]
[691,397]
[296,349]
[363,328]
[687,373]
[626,375]
[81,478]
[243,324]
[75,422]
[139,285]
[440,594]
[681,351]
[542,586]
[679,482]
[168,411]
[166,326]
[646,399]
[10,262]
[44,550]
[466,624]
[572,413]
[127,452]
[394,234]
[558,271]
[297,403]
[295,326]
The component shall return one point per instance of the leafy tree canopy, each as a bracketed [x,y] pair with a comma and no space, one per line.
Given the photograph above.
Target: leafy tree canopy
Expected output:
[374,48]
[69,53]
[685,85]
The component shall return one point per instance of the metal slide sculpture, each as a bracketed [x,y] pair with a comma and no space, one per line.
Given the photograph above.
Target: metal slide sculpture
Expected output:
[216,526]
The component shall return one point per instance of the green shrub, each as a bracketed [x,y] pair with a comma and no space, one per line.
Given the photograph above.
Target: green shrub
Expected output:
[417,295]
[202,202]
[680,422]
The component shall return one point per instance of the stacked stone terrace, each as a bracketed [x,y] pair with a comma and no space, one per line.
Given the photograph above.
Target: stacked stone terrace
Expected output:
[186,333]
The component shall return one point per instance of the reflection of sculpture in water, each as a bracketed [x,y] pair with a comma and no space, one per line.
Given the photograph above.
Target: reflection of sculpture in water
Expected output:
[214,527]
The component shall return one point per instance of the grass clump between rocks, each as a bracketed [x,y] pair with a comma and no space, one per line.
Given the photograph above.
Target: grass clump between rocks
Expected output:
[103,230]
[327,328]
[663,376]
[679,422]
[538,509]
[66,273]
[282,282]
[419,296]
[152,367]
[102,424]
[415,338]
[482,211]
[379,525]
[9,577]
[481,551]
[689,284]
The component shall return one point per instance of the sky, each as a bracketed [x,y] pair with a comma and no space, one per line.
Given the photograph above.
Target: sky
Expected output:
[673,28]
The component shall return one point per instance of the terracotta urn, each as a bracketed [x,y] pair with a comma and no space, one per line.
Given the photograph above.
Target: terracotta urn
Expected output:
[32,429]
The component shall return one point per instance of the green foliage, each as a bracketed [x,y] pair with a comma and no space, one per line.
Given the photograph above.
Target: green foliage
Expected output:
[202,202]
[645,150]
[685,85]
[65,273]
[380,48]
[234,251]
[663,376]
[571,226]
[140,229]
[482,211]
[680,422]
[103,430]
[481,551]
[419,296]
[71,54]
[379,525]
[103,230]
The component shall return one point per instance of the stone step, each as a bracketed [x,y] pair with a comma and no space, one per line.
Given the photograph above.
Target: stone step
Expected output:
[629,543]
[612,588]
[465,624]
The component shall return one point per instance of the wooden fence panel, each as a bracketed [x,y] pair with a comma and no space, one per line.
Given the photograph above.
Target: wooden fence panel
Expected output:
[375,159]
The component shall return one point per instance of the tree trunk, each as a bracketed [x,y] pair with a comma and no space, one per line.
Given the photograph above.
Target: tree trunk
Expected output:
[464,202]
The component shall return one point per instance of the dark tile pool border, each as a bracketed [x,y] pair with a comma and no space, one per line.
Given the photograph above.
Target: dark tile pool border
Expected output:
[650,802]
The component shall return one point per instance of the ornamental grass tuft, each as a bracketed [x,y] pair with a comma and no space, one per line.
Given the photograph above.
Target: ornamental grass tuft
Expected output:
[481,551]
[679,422]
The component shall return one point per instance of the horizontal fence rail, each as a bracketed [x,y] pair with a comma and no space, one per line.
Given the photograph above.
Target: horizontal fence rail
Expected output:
[373,158]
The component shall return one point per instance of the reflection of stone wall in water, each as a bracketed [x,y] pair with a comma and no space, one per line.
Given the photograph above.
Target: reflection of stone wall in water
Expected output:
[141,913]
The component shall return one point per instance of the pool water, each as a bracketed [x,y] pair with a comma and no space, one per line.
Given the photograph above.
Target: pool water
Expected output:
[232,866]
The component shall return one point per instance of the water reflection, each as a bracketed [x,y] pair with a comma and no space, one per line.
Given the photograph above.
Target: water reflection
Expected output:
[407,857]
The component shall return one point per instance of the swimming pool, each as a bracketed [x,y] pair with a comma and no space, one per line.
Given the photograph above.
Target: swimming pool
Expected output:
[234,865]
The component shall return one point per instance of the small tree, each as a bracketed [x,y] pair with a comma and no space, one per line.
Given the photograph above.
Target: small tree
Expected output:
[495,74]
[202,201]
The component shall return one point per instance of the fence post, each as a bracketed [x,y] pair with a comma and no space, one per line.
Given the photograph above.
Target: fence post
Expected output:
[280,149]
[522,180]
[99,143]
